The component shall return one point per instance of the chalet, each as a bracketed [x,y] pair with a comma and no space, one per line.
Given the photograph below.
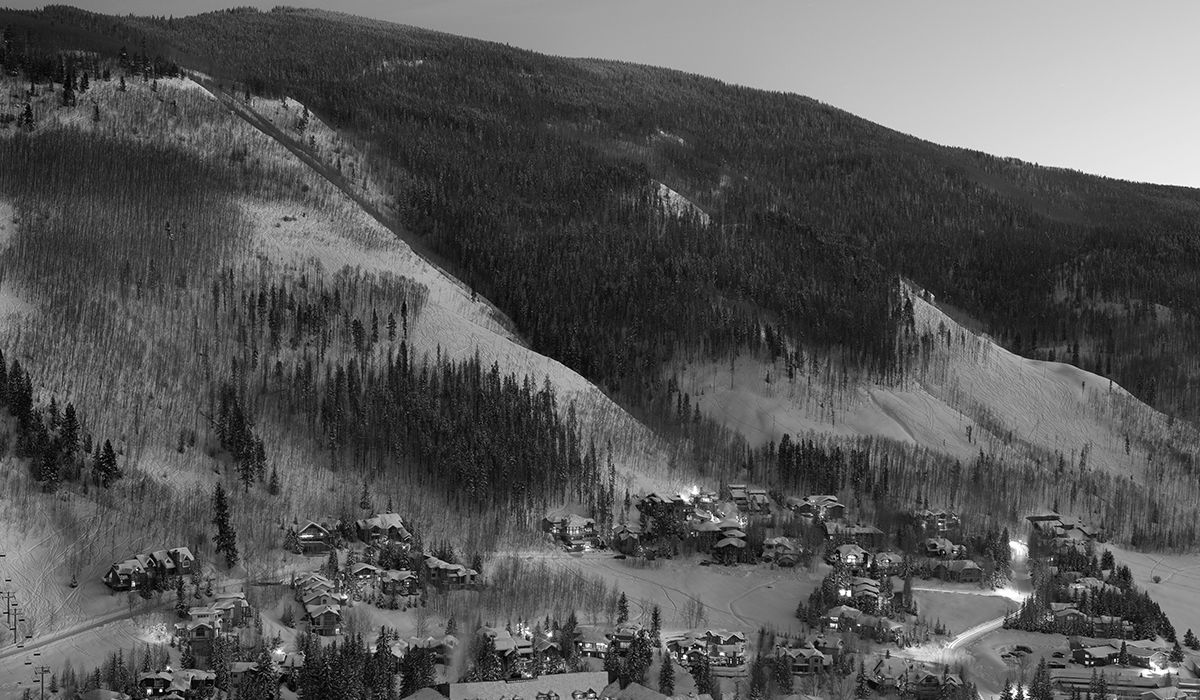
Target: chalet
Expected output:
[1070,618]
[324,620]
[824,507]
[623,636]
[960,570]
[930,686]
[590,641]
[320,597]
[883,628]
[851,555]
[1089,585]
[314,538]
[657,503]
[723,649]
[1101,655]
[862,535]
[626,537]
[155,683]
[125,575]
[783,551]
[939,522]
[364,572]
[233,608]
[238,671]
[508,646]
[843,618]
[562,686]
[1110,626]
[889,674]
[729,548]
[740,495]
[440,648]
[398,582]
[1147,657]
[705,532]
[864,592]
[289,664]
[805,659]
[163,564]
[943,548]
[199,633]
[758,502]
[450,576]
[185,561]
[886,563]
[832,646]
[204,613]
[311,578]
[382,528]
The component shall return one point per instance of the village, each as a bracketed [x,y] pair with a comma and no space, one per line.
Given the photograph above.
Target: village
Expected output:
[1081,622]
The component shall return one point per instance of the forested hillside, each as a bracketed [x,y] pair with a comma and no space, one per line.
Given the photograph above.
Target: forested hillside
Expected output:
[622,217]
[535,179]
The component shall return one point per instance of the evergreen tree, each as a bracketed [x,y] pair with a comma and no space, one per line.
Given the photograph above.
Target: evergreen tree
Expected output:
[487,661]
[364,501]
[637,661]
[622,609]
[1123,657]
[226,537]
[273,485]
[666,676]
[1190,641]
[1176,654]
[291,542]
[331,564]
[861,689]
[263,683]
[187,658]
[181,606]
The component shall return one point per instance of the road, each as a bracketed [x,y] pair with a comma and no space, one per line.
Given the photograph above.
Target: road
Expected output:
[975,632]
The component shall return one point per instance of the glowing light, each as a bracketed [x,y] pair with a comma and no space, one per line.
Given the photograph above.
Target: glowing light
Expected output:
[1020,550]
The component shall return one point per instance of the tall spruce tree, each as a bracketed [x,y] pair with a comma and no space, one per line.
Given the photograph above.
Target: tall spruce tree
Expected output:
[226,537]
[666,676]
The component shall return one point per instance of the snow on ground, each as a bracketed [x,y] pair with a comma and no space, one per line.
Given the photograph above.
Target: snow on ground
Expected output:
[1009,403]
[677,205]
[12,307]
[743,597]
[1177,592]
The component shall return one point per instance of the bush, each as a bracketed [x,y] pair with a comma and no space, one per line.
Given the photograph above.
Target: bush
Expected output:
[1156,579]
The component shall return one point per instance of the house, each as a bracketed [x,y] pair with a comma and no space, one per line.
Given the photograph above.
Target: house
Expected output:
[724,650]
[729,548]
[862,535]
[930,686]
[824,507]
[960,570]
[314,538]
[626,537]
[320,597]
[363,572]
[199,633]
[1123,684]
[1070,618]
[942,548]
[591,641]
[783,551]
[1090,585]
[185,561]
[125,575]
[1101,655]
[886,563]
[883,628]
[238,670]
[557,686]
[623,636]
[289,665]
[163,564]
[653,504]
[382,528]
[938,521]
[398,582]
[851,555]
[758,502]
[233,609]
[1146,657]
[450,576]
[154,683]
[804,659]
[864,592]
[325,620]
[842,617]
[889,674]
[1110,626]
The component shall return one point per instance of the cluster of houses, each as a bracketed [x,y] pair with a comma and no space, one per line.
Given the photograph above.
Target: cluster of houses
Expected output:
[150,570]
[178,684]
[1063,534]
[319,536]
[204,623]
[322,600]
[725,651]
[575,532]
[888,675]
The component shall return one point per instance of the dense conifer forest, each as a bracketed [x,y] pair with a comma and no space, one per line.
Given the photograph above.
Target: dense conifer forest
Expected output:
[533,177]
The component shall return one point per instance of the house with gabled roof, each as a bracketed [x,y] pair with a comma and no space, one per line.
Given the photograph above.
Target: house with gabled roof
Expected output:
[823,506]
[842,617]
[399,582]
[126,575]
[314,537]
[889,674]
[782,551]
[443,574]
[804,659]
[851,555]
[959,570]
[381,528]
[233,608]
[324,620]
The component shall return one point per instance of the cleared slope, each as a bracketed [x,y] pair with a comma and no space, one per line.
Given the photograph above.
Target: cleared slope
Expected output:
[965,394]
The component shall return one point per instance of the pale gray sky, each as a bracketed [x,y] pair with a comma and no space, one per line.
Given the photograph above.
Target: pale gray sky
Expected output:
[1097,85]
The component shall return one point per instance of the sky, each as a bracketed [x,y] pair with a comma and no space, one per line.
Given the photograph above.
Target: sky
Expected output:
[1097,85]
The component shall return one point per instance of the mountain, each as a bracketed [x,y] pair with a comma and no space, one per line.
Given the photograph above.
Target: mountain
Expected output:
[573,252]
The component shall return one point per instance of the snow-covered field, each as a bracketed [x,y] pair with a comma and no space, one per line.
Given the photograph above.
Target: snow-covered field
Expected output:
[1177,592]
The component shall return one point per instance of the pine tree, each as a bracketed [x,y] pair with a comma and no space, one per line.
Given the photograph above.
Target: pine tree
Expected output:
[187,659]
[181,606]
[331,564]
[656,626]
[1176,654]
[291,542]
[622,609]
[122,87]
[364,501]
[226,537]
[273,486]
[666,677]
[1123,658]
[1190,641]
[861,689]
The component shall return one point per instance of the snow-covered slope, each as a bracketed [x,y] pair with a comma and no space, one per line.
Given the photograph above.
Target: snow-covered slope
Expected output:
[965,395]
